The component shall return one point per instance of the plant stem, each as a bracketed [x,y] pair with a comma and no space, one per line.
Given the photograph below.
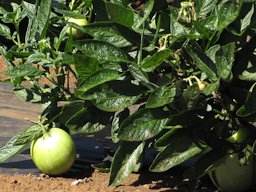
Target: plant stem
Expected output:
[141,45]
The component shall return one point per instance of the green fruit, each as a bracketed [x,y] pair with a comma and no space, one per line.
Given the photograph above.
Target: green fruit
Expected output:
[231,176]
[240,136]
[75,32]
[54,152]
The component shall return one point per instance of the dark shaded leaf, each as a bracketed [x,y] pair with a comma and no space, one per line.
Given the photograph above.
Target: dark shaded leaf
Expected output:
[124,161]
[180,149]
[142,125]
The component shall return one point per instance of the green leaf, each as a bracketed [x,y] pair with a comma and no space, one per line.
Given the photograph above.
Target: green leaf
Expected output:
[85,66]
[211,88]
[114,96]
[23,70]
[191,96]
[180,149]
[116,122]
[225,57]
[142,125]
[106,32]
[248,74]
[124,162]
[138,74]
[28,135]
[10,149]
[161,96]
[203,62]
[145,13]
[85,120]
[27,95]
[204,7]
[97,78]
[249,106]
[102,51]
[43,15]
[151,62]
[5,31]
[120,14]
[226,13]
[246,21]
[110,101]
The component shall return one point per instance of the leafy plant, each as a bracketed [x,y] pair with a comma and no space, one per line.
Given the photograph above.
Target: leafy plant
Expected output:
[187,66]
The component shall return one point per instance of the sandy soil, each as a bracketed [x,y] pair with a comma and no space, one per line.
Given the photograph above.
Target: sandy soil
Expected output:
[96,182]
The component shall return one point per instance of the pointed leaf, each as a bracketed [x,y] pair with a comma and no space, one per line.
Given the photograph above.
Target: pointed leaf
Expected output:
[27,95]
[203,62]
[149,63]
[179,150]
[98,78]
[10,149]
[142,125]
[161,96]
[124,162]
[102,51]
[28,135]
[204,7]
[83,120]
[225,57]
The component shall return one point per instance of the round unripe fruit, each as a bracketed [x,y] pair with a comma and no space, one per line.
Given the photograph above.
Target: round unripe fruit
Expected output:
[54,152]
[75,32]
[232,176]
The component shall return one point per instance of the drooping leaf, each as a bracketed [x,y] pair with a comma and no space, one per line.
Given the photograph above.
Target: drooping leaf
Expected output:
[204,7]
[180,149]
[249,106]
[27,95]
[120,14]
[5,31]
[226,12]
[10,149]
[151,62]
[86,120]
[28,135]
[124,161]
[142,125]
[161,96]
[43,15]
[102,51]
[203,62]
[246,21]
[23,70]
[97,78]
[106,32]
[224,58]
[114,96]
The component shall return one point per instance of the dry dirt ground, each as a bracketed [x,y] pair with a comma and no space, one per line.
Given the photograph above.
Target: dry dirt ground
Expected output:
[94,182]
[91,180]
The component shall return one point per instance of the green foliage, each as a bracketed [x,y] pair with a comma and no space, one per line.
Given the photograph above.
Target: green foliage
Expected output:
[179,78]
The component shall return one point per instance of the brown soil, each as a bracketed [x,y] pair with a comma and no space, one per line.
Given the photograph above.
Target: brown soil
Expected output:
[96,182]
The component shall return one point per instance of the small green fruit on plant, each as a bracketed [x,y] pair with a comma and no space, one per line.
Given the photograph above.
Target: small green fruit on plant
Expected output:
[54,152]
[75,32]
